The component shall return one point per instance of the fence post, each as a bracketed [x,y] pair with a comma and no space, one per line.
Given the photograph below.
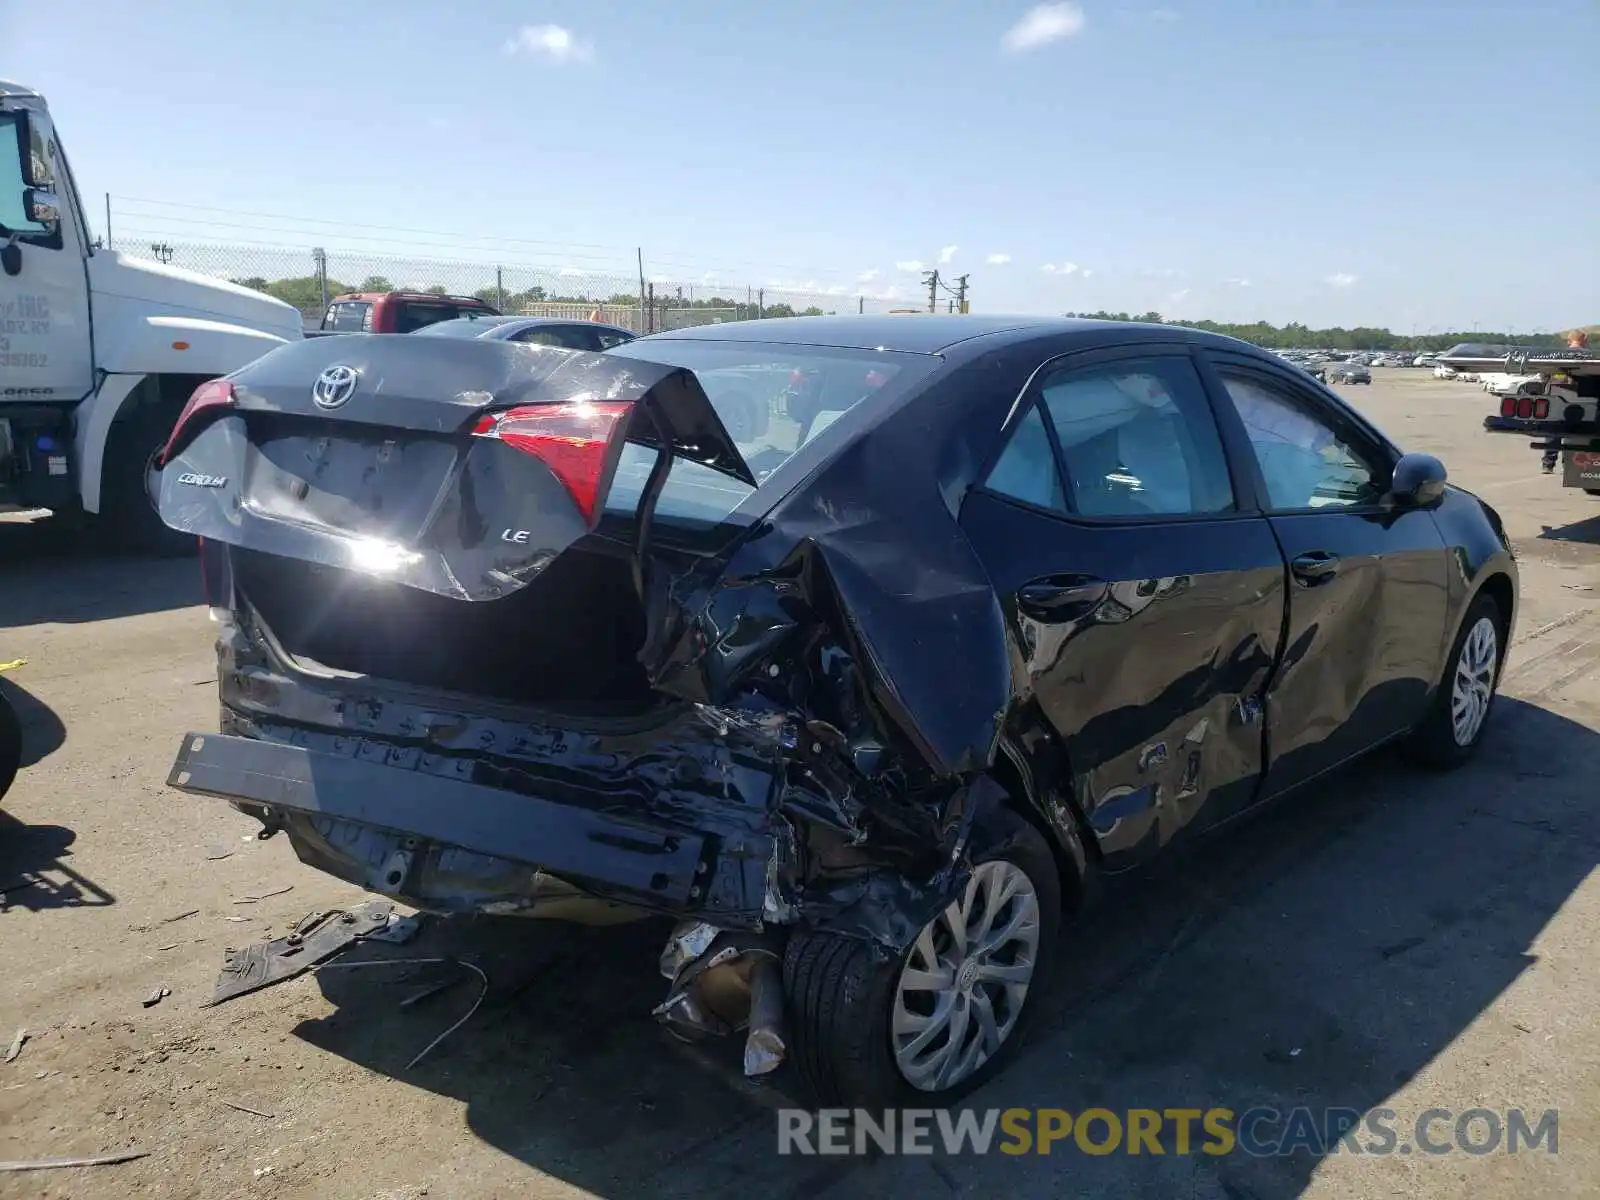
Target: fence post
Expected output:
[650,318]
[761,303]
[499,290]
[319,261]
[861,305]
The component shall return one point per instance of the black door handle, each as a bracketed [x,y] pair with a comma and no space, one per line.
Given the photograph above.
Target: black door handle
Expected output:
[1061,597]
[1315,566]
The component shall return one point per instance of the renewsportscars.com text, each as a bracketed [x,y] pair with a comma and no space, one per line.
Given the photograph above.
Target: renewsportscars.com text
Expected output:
[1260,1132]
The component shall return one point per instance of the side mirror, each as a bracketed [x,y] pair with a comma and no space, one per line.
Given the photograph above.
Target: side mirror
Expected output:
[1418,481]
[36,142]
[41,207]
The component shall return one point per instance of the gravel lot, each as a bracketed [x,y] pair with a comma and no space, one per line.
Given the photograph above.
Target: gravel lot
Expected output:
[1388,940]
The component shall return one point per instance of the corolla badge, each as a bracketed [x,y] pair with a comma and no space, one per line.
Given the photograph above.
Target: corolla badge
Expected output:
[334,386]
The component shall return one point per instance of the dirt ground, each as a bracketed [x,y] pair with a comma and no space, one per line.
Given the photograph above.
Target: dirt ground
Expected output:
[1389,939]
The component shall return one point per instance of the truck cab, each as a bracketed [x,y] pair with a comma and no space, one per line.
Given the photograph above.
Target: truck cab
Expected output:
[99,351]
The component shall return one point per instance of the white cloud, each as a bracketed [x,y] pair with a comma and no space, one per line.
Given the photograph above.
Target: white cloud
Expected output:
[1341,279]
[840,289]
[910,266]
[868,276]
[1174,299]
[998,260]
[552,43]
[1087,272]
[569,272]
[946,253]
[659,280]
[1237,282]
[1066,268]
[1043,24]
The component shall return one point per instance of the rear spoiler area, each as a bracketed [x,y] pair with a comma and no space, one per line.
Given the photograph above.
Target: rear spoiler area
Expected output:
[461,468]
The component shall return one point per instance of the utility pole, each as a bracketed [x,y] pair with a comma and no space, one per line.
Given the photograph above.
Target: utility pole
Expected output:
[932,281]
[961,293]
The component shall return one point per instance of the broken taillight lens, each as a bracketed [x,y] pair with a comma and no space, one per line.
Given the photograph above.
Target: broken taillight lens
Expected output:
[571,439]
[210,396]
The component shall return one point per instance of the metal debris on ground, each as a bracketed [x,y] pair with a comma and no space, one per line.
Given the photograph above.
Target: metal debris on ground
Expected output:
[245,1108]
[218,852]
[264,895]
[156,996]
[483,990]
[50,1164]
[169,946]
[183,916]
[318,936]
[16,1045]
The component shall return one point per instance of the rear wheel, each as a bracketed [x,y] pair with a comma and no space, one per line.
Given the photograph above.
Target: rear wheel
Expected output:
[1465,697]
[941,1018]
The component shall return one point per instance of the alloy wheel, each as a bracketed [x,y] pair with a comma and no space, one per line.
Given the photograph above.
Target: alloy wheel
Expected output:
[966,978]
[1473,687]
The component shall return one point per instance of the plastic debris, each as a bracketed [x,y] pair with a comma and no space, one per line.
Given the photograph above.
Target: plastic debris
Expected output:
[13,664]
[157,995]
[16,1045]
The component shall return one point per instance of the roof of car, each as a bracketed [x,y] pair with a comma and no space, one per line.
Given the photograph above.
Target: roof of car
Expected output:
[919,333]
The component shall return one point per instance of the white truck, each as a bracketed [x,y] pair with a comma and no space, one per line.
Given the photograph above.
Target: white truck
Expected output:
[99,351]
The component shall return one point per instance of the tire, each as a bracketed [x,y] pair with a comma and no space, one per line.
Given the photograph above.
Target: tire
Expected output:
[1592,491]
[842,992]
[128,522]
[10,744]
[1439,742]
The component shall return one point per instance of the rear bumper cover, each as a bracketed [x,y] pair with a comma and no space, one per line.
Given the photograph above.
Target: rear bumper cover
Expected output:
[1551,427]
[436,814]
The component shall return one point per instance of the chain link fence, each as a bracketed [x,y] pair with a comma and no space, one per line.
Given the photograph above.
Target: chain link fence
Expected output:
[310,278]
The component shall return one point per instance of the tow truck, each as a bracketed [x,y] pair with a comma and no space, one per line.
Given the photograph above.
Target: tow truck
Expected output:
[1562,419]
[99,351]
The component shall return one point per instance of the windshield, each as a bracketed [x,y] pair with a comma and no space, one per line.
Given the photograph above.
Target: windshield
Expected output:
[773,399]
[464,326]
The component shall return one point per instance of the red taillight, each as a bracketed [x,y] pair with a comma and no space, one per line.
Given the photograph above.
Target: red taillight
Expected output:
[571,439]
[1508,406]
[213,394]
[1541,408]
[1525,407]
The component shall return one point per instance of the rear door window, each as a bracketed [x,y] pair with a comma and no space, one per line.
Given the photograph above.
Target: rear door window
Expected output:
[349,316]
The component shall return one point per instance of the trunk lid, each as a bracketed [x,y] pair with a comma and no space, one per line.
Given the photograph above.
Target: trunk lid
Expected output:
[460,468]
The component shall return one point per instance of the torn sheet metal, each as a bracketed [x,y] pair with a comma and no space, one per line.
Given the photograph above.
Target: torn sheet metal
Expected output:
[316,937]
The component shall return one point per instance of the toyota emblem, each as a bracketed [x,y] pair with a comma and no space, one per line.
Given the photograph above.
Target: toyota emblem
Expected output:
[334,386]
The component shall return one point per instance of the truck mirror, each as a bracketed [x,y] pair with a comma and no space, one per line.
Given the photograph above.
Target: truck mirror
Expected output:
[42,208]
[37,144]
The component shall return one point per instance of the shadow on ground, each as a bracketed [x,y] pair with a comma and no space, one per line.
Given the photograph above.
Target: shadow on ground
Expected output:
[1321,955]
[53,574]
[42,731]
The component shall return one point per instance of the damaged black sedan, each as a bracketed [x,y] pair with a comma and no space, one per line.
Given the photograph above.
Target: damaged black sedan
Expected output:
[860,646]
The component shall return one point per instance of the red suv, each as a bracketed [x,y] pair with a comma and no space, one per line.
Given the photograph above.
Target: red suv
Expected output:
[397,312]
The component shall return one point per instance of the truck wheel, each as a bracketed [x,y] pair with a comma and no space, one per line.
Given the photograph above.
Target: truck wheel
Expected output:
[869,1029]
[1592,491]
[1465,696]
[10,744]
[128,520]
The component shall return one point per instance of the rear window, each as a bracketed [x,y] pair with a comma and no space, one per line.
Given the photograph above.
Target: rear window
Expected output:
[417,314]
[774,400]
[465,326]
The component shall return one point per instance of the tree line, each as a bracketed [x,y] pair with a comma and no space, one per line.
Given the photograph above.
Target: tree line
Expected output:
[305,293]
[1363,337]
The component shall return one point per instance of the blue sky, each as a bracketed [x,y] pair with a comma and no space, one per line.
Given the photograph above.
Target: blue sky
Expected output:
[1231,159]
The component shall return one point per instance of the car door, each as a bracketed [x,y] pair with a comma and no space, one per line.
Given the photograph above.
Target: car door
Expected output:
[1368,588]
[1145,601]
